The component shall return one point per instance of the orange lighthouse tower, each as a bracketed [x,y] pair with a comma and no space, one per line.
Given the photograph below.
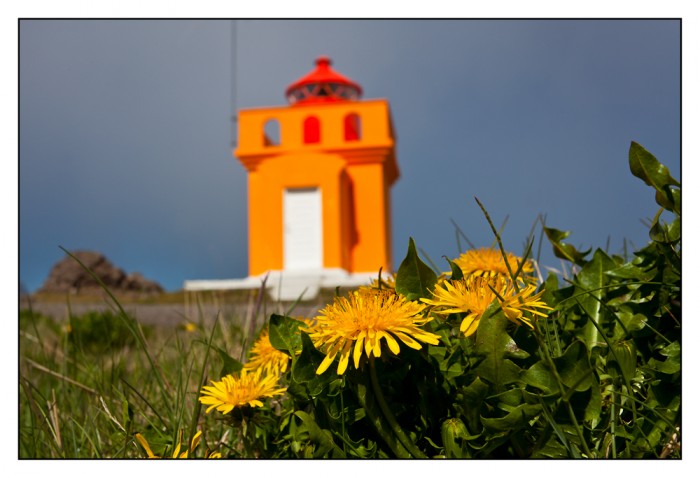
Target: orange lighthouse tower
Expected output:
[320,171]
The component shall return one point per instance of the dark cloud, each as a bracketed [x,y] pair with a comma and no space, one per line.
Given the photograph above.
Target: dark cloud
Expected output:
[125,130]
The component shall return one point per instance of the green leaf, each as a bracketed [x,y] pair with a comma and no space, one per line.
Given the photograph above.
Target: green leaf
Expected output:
[494,344]
[630,270]
[551,285]
[629,322]
[669,366]
[672,364]
[508,400]
[665,233]
[671,350]
[645,166]
[361,448]
[574,367]
[540,377]
[562,250]
[230,364]
[594,407]
[556,235]
[558,445]
[305,366]
[457,272]
[516,419]
[414,278]
[669,199]
[472,401]
[323,439]
[592,280]
[284,334]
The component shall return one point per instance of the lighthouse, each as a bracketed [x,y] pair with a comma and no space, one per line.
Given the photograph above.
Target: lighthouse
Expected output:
[320,170]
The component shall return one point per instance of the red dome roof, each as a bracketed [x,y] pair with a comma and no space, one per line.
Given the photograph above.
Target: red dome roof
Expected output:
[322,85]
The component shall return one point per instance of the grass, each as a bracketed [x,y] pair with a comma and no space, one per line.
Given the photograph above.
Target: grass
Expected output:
[89,384]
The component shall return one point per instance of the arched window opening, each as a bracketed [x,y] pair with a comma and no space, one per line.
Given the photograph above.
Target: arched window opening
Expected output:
[272,133]
[312,130]
[353,127]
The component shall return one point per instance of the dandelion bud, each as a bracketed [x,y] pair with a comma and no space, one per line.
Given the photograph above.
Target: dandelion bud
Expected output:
[453,433]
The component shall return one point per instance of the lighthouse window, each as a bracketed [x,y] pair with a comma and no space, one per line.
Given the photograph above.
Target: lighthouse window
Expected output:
[353,130]
[347,92]
[310,90]
[295,96]
[312,130]
[271,135]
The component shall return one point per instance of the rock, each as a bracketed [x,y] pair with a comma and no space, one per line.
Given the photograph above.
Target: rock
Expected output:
[68,276]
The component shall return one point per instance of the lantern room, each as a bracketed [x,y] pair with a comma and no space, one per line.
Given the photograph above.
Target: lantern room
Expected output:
[322,85]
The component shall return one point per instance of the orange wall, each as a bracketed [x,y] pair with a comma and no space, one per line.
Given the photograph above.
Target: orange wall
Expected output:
[354,178]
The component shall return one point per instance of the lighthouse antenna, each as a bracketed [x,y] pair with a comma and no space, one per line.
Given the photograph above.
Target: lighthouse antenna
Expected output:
[234,82]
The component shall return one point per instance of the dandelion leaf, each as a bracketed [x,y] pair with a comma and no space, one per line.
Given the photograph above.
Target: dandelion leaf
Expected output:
[494,344]
[414,278]
[645,166]
[305,366]
[574,367]
[591,282]
[230,364]
[284,334]
[322,439]
[515,419]
[563,250]
[457,272]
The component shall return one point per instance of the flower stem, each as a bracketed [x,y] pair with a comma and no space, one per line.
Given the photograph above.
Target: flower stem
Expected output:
[377,421]
[395,427]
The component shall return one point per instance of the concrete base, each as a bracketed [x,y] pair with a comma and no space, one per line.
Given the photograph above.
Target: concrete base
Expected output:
[288,285]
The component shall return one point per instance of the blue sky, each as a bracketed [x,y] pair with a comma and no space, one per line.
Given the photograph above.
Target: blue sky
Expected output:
[125,131]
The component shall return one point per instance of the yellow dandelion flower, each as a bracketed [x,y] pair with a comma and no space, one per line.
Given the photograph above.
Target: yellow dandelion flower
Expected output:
[176,453]
[237,391]
[488,262]
[515,304]
[145,446]
[471,295]
[308,321]
[266,358]
[359,322]
[188,326]
[388,282]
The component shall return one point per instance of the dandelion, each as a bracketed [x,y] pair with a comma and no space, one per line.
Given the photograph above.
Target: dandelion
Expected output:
[388,282]
[308,321]
[266,358]
[145,446]
[188,326]
[515,304]
[471,295]
[359,322]
[489,262]
[176,453]
[237,391]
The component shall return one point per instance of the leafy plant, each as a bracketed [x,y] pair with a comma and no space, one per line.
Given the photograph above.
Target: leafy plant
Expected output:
[598,377]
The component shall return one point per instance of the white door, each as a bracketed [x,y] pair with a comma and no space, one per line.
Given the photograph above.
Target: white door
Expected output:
[303,231]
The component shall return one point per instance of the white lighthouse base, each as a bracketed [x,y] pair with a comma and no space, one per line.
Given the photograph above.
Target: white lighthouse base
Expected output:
[288,285]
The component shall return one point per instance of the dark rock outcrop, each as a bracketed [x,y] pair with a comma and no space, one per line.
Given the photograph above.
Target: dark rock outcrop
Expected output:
[68,276]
